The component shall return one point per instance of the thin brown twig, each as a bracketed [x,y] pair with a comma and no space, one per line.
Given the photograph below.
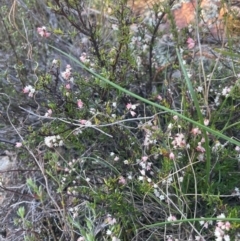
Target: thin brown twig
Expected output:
[18,193]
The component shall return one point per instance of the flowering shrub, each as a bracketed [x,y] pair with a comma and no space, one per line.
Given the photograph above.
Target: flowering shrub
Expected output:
[108,166]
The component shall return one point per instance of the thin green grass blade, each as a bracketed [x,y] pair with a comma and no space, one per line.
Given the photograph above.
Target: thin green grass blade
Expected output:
[203,127]
[189,220]
[199,113]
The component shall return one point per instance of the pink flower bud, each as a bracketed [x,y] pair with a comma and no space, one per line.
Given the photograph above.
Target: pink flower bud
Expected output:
[80,104]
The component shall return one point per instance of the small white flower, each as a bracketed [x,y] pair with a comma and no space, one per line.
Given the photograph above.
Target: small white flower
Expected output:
[180,179]
[115,27]
[129,177]
[161,197]
[48,113]
[92,111]
[133,107]
[143,172]
[202,222]
[54,61]
[81,239]
[237,148]
[226,238]
[189,74]
[171,156]
[206,122]
[156,192]
[88,123]
[74,192]
[169,180]
[116,158]
[71,79]
[218,232]
[226,91]
[48,141]
[60,143]
[30,90]
[175,117]
[217,147]
[126,162]
[141,178]
[109,232]
[200,157]
[171,218]
[18,144]
[222,215]
[53,141]
[142,164]
[199,89]
[236,192]
[115,238]
[84,58]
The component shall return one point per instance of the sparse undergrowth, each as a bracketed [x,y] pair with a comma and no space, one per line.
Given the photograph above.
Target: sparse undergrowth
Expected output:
[123,131]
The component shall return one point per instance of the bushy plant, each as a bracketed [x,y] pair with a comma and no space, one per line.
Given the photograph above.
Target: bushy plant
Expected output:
[131,136]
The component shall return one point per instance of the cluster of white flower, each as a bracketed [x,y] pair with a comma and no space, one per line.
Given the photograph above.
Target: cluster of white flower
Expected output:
[84,58]
[158,192]
[55,62]
[179,141]
[53,141]
[168,180]
[67,73]
[131,108]
[149,129]
[226,91]
[72,190]
[171,218]
[48,113]
[205,224]
[236,192]
[42,31]
[81,239]
[29,90]
[85,122]
[217,99]
[111,221]
[74,211]
[146,166]
[237,148]
[221,228]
